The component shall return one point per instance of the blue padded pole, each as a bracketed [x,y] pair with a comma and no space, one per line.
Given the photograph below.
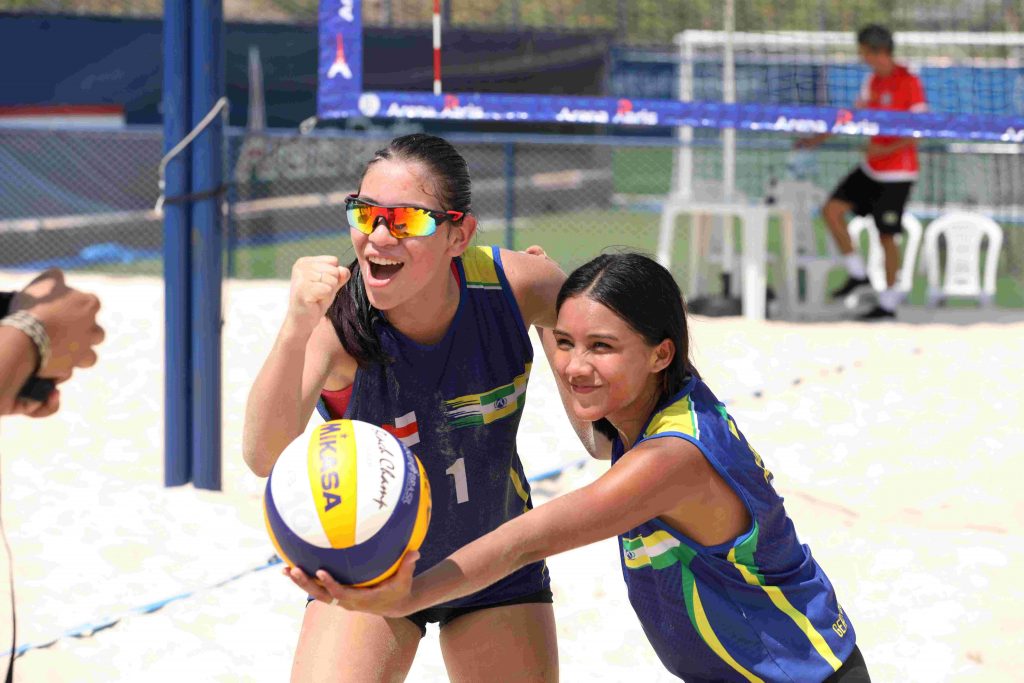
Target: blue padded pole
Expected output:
[207,237]
[177,322]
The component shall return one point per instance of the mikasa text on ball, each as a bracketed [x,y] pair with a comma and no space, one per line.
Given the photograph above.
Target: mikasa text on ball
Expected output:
[347,497]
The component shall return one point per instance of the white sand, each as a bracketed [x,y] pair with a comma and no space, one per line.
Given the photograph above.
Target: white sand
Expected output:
[900,472]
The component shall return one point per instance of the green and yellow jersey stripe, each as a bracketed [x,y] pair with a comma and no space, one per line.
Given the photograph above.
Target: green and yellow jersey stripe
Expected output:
[481,271]
[517,484]
[742,557]
[660,550]
[489,406]
[678,417]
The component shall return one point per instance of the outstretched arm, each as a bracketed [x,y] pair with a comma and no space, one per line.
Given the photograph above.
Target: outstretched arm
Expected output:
[536,279]
[647,482]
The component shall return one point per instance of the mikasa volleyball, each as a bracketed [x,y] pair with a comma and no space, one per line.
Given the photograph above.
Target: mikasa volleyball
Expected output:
[347,497]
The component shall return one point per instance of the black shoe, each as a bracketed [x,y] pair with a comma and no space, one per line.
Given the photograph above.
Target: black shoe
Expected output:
[852,284]
[877,313]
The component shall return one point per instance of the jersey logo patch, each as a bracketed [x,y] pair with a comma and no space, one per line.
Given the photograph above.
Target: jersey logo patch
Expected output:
[490,406]
[405,429]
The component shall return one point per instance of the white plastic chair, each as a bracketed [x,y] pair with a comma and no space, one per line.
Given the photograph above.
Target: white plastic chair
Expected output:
[804,200]
[912,233]
[711,242]
[963,232]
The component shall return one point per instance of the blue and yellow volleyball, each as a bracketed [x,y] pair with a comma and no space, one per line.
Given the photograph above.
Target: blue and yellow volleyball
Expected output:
[347,497]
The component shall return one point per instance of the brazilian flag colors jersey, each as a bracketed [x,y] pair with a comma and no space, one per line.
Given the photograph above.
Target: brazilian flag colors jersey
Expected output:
[457,404]
[758,608]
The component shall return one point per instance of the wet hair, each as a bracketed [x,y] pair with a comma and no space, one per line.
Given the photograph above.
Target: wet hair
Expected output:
[645,295]
[351,313]
[876,38]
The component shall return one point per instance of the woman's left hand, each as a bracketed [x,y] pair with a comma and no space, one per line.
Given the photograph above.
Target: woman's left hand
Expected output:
[390,598]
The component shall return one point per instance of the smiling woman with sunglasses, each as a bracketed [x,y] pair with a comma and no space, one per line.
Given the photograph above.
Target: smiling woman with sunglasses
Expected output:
[426,336]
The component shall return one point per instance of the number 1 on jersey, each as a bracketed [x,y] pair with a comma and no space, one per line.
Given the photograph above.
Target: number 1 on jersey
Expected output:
[458,471]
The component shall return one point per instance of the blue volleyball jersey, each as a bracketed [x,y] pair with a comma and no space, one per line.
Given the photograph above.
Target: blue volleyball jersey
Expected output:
[758,608]
[457,404]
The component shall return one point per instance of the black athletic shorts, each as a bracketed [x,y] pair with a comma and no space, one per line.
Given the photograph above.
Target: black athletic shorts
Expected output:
[853,670]
[882,201]
[442,615]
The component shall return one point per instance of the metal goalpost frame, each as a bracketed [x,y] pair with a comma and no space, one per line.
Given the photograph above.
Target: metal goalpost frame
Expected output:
[688,42]
[728,40]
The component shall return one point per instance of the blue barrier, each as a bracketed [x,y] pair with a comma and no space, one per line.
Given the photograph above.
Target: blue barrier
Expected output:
[651,113]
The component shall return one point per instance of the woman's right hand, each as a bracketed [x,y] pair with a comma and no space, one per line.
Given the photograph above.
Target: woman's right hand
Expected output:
[390,598]
[315,282]
[69,317]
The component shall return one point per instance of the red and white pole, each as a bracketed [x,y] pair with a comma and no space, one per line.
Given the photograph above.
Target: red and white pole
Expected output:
[437,47]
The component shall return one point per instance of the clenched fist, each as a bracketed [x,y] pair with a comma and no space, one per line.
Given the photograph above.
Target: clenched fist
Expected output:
[69,317]
[315,282]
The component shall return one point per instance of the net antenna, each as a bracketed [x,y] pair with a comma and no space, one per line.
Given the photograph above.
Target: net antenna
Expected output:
[437,47]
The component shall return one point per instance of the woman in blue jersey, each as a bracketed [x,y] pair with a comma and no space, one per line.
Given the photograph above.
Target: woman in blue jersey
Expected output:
[426,336]
[722,586]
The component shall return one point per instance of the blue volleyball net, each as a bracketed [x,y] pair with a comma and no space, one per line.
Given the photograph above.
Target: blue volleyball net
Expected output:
[730,94]
[737,98]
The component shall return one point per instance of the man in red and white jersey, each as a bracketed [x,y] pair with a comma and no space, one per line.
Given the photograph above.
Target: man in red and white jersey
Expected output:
[880,185]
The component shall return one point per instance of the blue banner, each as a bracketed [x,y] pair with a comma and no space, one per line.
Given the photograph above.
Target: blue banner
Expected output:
[636,112]
[341,54]
[340,95]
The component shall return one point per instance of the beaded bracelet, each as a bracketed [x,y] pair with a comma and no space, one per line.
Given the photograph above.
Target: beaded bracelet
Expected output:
[27,323]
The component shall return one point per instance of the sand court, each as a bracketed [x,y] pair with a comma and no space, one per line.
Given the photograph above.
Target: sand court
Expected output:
[898,448]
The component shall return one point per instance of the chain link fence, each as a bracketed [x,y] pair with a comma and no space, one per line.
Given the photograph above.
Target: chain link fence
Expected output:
[289,197]
[80,199]
[631,22]
[83,200]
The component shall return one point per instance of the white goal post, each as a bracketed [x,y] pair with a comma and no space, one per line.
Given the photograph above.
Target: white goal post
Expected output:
[915,48]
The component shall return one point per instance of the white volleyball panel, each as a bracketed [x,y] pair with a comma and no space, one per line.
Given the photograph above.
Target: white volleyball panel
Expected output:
[293,495]
[379,480]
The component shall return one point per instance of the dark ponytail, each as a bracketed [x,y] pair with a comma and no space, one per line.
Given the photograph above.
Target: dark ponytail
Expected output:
[354,318]
[355,321]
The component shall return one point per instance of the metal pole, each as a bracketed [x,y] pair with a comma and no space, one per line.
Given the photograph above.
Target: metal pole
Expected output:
[682,183]
[510,195]
[729,97]
[177,322]
[729,144]
[437,47]
[207,237]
